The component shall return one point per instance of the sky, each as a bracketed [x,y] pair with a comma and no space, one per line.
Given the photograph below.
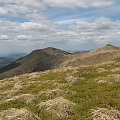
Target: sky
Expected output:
[26,25]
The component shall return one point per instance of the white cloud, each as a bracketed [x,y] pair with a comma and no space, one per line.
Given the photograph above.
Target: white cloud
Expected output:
[25,22]
[3,11]
[31,25]
[24,37]
[80,3]
[29,7]
[98,24]
[101,30]
[20,8]
[3,37]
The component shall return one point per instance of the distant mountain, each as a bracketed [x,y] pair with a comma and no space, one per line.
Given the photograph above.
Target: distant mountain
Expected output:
[14,55]
[4,61]
[8,58]
[79,52]
[51,58]
[98,56]
[38,60]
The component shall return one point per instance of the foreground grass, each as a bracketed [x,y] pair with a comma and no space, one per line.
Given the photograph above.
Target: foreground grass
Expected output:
[82,88]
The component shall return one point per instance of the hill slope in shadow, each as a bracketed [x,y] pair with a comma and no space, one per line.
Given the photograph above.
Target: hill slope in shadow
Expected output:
[38,60]
[52,58]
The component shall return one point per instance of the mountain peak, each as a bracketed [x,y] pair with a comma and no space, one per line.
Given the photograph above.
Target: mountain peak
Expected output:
[50,48]
[110,46]
[52,58]
[52,51]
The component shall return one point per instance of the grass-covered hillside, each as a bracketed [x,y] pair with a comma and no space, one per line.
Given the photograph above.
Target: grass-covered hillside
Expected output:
[53,58]
[71,93]
[38,60]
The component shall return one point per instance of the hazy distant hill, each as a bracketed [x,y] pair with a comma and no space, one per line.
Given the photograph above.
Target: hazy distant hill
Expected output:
[50,58]
[79,52]
[6,59]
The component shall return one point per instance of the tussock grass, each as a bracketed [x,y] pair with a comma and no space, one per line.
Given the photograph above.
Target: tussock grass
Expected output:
[59,107]
[105,114]
[17,114]
[67,92]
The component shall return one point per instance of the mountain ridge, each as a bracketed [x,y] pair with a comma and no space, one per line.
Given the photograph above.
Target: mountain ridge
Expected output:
[97,56]
[52,58]
[37,60]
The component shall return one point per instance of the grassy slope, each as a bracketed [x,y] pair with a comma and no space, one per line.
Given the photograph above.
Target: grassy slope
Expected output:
[83,90]
[98,56]
[38,60]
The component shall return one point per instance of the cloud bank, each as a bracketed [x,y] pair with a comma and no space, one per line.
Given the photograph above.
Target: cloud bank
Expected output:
[32,24]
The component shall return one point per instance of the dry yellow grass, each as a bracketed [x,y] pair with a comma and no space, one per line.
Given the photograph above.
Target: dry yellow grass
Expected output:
[59,107]
[17,114]
[105,114]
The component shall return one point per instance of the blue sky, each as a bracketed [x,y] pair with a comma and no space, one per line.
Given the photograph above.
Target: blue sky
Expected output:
[65,24]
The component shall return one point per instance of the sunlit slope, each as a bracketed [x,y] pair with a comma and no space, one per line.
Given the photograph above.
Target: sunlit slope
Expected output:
[52,58]
[99,56]
[71,93]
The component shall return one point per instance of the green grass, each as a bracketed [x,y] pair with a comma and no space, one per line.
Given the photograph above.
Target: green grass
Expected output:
[88,94]
[12,104]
